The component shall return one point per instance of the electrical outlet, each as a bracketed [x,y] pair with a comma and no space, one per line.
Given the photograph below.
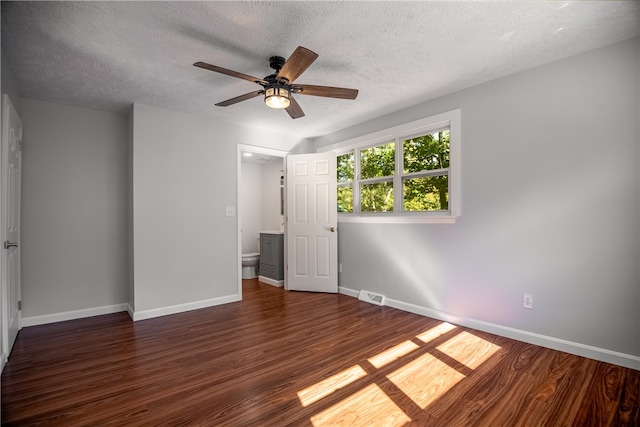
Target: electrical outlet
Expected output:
[527,301]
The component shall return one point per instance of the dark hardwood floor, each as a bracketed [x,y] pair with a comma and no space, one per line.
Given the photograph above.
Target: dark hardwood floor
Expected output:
[286,358]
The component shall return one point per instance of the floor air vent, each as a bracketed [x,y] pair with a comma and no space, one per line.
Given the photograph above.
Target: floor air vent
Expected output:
[372,297]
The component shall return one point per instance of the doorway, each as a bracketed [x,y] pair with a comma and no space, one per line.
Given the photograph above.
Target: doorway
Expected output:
[253,215]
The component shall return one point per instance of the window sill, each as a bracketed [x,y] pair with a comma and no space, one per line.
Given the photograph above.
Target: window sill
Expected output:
[396,219]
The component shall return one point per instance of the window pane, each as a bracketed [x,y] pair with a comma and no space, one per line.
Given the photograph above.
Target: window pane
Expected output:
[378,161]
[377,197]
[426,194]
[345,198]
[426,152]
[345,167]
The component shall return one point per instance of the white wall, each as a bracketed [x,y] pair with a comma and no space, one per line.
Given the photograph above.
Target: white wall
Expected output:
[184,175]
[550,206]
[260,203]
[74,234]
[270,184]
[251,205]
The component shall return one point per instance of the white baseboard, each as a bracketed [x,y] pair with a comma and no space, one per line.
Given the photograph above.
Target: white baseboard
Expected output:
[272,282]
[601,354]
[130,310]
[135,315]
[180,308]
[348,292]
[72,315]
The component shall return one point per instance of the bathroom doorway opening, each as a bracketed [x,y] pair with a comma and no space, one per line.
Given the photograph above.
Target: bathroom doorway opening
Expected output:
[260,197]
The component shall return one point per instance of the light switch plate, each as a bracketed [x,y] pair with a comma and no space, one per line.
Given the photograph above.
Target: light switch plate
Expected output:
[231,211]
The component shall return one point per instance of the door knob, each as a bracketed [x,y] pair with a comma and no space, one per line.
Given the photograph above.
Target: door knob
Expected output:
[331,229]
[8,244]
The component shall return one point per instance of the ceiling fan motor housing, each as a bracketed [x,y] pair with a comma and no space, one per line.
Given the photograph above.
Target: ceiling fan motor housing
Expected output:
[276,62]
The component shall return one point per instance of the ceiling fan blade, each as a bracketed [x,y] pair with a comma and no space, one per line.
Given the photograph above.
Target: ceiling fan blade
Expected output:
[299,61]
[326,91]
[294,109]
[240,98]
[229,72]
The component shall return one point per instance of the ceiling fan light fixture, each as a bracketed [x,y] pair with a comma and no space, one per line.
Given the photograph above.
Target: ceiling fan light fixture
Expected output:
[277,97]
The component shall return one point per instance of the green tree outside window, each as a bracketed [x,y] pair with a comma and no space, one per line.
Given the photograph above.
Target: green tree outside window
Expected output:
[427,152]
[424,175]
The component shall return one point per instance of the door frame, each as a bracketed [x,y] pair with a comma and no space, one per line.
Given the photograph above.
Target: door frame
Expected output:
[257,150]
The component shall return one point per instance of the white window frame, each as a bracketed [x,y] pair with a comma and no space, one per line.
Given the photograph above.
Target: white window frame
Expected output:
[397,134]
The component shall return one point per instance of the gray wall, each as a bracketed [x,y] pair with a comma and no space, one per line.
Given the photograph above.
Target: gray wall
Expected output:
[124,210]
[9,85]
[74,186]
[550,206]
[184,176]
[184,245]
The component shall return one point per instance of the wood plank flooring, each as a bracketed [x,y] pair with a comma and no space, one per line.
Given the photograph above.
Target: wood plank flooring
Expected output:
[283,358]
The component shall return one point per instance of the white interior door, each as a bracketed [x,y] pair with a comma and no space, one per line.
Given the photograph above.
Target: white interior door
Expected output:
[312,221]
[10,224]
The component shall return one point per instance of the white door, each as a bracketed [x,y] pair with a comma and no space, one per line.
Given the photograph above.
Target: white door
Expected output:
[312,221]
[10,224]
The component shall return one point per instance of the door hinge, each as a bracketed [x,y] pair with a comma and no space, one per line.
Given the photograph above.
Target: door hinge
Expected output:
[20,145]
[19,305]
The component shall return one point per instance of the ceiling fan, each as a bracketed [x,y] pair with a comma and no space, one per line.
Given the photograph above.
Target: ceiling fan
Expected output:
[278,88]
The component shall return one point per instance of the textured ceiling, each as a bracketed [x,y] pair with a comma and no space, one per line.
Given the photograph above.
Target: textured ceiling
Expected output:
[108,55]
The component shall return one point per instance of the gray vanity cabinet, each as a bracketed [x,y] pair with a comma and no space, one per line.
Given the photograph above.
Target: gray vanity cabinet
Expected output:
[272,256]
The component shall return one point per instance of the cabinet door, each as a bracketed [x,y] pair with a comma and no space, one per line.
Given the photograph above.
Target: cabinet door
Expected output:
[272,256]
[266,249]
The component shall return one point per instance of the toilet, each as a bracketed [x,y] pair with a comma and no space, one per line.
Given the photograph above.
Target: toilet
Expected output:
[250,262]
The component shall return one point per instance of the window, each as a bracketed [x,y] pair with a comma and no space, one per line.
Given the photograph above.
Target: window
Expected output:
[425,179]
[405,174]
[377,167]
[345,182]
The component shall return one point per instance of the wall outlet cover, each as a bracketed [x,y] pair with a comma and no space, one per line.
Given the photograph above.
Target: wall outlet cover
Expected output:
[527,301]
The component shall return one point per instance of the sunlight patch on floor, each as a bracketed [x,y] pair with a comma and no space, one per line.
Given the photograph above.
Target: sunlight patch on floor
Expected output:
[393,353]
[435,332]
[423,376]
[469,349]
[369,406]
[425,379]
[329,385]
